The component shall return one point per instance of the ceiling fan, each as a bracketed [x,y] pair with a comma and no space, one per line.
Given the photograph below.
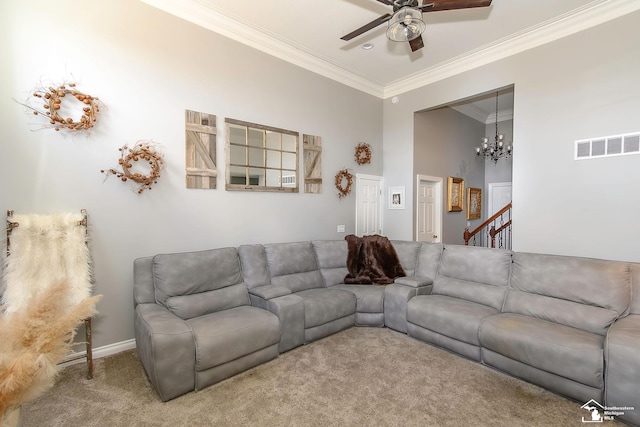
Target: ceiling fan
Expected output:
[406,24]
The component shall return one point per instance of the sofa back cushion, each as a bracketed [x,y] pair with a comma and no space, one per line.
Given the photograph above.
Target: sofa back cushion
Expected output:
[332,260]
[293,265]
[474,274]
[253,262]
[192,284]
[583,293]
[428,260]
[407,252]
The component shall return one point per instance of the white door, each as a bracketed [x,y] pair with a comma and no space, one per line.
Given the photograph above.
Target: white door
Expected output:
[499,196]
[428,209]
[368,205]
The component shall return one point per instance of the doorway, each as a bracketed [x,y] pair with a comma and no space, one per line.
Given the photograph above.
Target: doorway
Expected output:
[368,205]
[428,209]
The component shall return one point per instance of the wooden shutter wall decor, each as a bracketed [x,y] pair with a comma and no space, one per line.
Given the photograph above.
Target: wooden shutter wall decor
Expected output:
[200,130]
[312,152]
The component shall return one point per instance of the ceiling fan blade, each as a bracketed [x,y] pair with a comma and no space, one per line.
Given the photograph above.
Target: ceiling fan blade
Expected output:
[371,25]
[416,44]
[436,5]
[387,2]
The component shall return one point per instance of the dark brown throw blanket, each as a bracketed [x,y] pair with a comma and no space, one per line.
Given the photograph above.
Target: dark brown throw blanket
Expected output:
[371,260]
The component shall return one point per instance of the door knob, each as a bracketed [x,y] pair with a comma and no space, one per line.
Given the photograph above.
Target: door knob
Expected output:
[435,236]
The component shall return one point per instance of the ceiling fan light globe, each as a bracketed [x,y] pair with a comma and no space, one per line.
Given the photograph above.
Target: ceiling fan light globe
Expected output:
[405,25]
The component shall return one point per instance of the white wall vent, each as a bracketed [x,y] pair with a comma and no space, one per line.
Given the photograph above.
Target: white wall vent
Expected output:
[606,146]
[288,180]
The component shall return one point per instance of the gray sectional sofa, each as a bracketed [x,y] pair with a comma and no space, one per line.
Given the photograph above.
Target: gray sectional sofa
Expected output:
[568,324]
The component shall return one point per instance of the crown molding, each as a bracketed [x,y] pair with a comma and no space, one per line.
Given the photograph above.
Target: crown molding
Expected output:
[592,14]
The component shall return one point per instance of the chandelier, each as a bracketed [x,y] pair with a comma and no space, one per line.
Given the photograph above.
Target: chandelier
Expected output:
[494,150]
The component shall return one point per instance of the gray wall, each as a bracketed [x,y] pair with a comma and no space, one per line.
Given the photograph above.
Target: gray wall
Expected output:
[443,147]
[584,85]
[148,67]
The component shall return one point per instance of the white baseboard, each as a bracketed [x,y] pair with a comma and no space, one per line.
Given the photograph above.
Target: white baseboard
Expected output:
[99,352]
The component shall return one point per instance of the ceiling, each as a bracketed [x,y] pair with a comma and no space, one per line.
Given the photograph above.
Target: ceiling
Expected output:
[307,33]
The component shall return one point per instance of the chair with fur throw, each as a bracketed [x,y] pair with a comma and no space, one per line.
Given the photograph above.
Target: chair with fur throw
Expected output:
[46,296]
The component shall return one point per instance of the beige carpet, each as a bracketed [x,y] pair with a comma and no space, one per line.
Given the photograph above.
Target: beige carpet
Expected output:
[359,377]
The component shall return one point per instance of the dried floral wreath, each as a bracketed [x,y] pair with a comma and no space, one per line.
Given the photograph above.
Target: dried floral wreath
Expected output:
[53,98]
[363,153]
[142,151]
[344,181]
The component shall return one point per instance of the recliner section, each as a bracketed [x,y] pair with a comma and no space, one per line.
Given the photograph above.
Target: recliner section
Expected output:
[622,350]
[555,317]
[470,286]
[197,326]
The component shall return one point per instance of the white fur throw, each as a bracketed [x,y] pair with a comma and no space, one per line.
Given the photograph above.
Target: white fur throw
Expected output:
[43,250]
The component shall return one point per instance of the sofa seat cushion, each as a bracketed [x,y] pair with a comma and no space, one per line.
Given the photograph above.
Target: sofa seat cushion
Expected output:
[455,318]
[369,299]
[561,350]
[326,305]
[230,334]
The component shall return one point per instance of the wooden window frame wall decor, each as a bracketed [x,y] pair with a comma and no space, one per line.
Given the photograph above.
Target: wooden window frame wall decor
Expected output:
[200,162]
[261,158]
[455,194]
[474,203]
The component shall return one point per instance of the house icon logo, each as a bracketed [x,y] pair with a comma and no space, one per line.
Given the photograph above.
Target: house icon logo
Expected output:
[596,411]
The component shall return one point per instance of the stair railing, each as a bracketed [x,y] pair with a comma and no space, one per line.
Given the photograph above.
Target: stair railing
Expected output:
[497,227]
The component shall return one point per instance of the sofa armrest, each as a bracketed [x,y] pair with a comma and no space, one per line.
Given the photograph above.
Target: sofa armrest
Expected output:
[290,312]
[396,298]
[166,349]
[414,282]
[622,362]
[268,292]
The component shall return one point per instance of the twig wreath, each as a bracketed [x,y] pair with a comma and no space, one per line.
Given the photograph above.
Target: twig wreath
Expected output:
[142,151]
[55,98]
[363,153]
[344,181]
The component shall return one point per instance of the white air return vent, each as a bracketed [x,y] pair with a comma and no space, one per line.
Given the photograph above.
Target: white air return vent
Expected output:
[607,146]
[288,180]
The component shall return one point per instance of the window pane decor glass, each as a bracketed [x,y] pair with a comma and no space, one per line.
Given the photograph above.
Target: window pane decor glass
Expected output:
[261,158]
